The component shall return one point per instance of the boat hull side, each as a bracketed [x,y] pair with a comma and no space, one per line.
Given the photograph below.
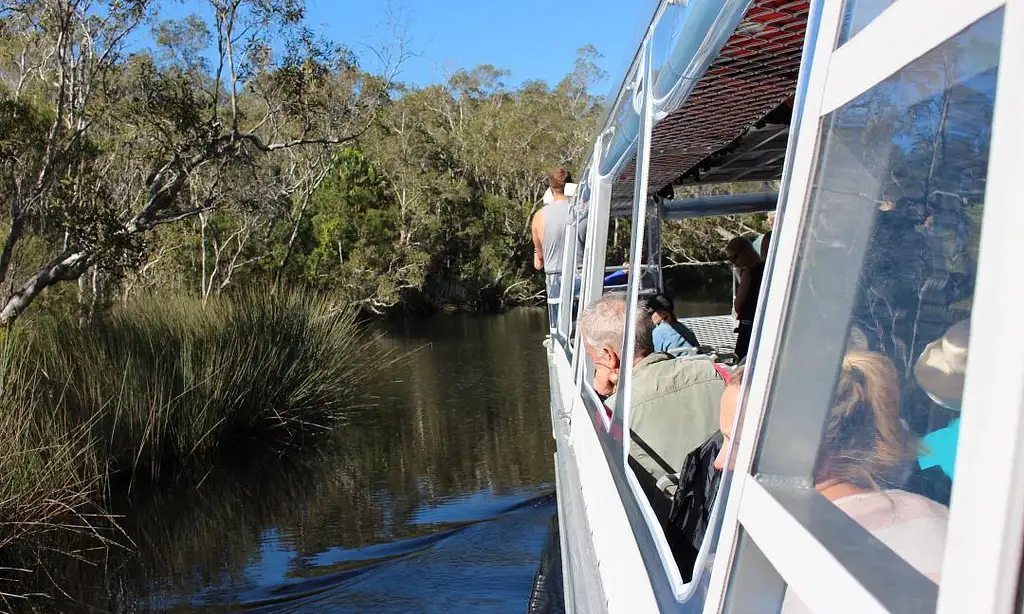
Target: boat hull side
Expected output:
[601,564]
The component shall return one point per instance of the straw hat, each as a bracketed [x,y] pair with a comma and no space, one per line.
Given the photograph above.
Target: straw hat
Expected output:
[940,369]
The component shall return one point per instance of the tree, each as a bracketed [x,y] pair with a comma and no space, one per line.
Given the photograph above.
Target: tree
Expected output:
[126,139]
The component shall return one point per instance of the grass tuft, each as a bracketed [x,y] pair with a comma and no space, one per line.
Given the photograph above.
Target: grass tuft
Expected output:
[159,388]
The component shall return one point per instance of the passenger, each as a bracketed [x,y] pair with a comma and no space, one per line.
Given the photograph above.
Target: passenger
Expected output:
[669,333]
[940,373]
[548,230]
[727,407]
[744,257]
[862,453]
[674,402]
[764,241]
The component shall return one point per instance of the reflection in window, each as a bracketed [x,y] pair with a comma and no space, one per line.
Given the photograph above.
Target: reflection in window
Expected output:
[857,14]
[874,348]
[673,420]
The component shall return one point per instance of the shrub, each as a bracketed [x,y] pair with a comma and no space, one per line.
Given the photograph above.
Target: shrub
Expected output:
[165,382]
[155,388]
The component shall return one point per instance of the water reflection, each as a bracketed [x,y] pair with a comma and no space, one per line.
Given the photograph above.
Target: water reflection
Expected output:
[435,497]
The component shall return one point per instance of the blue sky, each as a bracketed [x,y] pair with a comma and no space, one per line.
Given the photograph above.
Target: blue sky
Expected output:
[535,39]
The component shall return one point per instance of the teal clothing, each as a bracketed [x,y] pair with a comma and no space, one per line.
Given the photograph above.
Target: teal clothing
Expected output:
[940,447]
[667,338]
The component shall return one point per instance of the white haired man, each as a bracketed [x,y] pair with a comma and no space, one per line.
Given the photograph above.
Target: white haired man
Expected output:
[675,402]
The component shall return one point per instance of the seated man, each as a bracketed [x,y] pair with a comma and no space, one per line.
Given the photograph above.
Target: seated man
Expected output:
[669,333]
[674,407]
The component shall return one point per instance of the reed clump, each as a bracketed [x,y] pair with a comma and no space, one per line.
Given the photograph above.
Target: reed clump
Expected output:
[160,387]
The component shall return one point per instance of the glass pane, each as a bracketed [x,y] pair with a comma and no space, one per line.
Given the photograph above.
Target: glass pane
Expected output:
[755,587]
[865,401]
[857,14]
[618,146]
[667,435]
[578,231]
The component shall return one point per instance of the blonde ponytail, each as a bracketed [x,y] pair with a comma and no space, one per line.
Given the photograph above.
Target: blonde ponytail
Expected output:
[864,442]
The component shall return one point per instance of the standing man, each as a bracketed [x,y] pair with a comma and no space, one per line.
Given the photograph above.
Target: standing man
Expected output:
[548,231]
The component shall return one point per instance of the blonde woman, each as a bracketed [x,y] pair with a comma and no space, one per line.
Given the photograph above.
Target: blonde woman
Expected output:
[863,451]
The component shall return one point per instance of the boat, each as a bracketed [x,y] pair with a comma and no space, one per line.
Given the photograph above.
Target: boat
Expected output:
[892,130]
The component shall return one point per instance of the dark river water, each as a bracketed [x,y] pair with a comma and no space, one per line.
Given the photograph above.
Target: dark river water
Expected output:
[437,499]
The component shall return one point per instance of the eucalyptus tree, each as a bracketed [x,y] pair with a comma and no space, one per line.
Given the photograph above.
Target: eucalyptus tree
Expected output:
[101,147]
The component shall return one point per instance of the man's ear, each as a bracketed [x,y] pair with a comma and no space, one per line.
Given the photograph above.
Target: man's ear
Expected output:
[611,356]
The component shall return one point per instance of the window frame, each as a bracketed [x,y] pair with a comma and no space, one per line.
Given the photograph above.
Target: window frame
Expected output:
[594,254]
[986,521]
[790,553]
[671,592]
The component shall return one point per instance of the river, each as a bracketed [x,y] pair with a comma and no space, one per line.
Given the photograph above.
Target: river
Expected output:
[436,498]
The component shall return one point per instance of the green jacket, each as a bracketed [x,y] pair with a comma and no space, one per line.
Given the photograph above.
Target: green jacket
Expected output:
[675,408]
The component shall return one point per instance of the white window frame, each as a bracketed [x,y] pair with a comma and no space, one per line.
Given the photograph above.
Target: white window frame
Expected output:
[986,522]
[983,552]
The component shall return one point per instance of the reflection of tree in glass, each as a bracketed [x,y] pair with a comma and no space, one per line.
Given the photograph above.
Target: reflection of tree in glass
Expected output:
[923,136]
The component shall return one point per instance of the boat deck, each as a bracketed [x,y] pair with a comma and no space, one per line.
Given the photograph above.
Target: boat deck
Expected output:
[716,331]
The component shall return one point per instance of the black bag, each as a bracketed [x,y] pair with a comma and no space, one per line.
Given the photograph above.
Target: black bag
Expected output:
[698,485]
[931,482]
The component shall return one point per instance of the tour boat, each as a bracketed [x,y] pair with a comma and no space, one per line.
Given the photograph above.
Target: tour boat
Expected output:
[889,134]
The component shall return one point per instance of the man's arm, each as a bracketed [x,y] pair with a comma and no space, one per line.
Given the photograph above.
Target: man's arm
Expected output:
[537,230]
[746,280]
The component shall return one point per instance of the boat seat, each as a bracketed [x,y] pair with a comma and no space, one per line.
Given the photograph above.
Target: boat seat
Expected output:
[682,511]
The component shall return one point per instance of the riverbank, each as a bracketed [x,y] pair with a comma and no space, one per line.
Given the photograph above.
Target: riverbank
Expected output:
[703,283]
[155,390]
[431,478]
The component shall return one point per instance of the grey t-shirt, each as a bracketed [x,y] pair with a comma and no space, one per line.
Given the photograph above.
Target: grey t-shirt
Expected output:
[556,216]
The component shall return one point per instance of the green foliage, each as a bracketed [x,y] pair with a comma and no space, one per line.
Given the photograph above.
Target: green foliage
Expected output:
[157,388]
[243,149]
[161,384]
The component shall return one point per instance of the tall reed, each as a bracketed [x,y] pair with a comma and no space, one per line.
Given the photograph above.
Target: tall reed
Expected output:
[162,386]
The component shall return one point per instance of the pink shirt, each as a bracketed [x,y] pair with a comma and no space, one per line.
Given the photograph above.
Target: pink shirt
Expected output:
[912,526]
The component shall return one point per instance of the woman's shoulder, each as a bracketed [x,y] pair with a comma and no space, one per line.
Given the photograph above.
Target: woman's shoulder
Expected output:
[914,527]
[891,506]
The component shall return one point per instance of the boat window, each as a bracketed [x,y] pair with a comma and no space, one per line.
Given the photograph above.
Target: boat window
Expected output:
[864,405]
[619,145]
[602,365]
[577,234]
[857,14]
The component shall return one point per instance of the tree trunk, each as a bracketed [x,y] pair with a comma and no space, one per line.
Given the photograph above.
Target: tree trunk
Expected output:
[291,243]
[17,223]
[68,266]
[202,256]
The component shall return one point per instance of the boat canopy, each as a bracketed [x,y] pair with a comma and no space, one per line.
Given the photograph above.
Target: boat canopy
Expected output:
[724,74]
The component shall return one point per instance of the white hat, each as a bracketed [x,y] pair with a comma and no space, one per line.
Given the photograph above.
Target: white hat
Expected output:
[569,190]
[941,367]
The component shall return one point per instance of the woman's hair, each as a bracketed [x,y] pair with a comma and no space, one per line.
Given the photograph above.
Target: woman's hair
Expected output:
[744,250]
[864,443]
[736,378]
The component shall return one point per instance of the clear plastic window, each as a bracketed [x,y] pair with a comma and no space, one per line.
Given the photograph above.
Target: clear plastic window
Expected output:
[857,14]
[865,402]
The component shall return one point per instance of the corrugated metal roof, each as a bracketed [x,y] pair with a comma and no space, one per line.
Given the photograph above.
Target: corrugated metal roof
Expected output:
[712,137]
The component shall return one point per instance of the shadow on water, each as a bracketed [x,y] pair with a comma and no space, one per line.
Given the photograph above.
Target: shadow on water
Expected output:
[436,498]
